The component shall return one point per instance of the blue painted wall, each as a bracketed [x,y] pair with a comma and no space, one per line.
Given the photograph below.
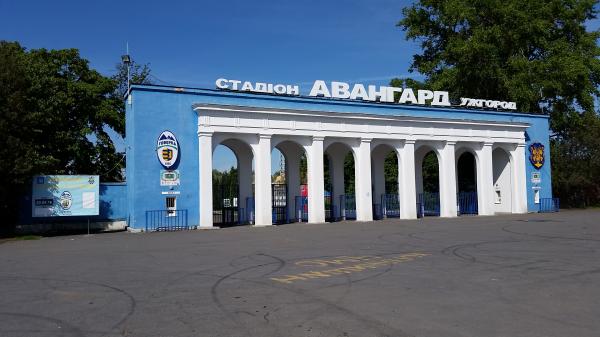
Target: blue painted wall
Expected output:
[154,109]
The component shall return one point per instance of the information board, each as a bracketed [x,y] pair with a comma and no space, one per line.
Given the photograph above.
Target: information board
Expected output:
[65,195]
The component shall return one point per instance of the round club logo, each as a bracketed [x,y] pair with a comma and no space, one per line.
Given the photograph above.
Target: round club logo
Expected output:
[167,149]
[66,200]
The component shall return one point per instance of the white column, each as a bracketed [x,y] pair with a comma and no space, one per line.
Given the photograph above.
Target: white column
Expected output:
[485,179]
[205,168]
[519,197]
[336,172]
[447,169]
[316,182]
[262,181]
[362,178]
[407,180]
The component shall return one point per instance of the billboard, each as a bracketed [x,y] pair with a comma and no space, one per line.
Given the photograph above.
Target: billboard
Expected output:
[65,195]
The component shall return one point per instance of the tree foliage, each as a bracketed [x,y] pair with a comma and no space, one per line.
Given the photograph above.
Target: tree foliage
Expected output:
[534,52]
[56,113]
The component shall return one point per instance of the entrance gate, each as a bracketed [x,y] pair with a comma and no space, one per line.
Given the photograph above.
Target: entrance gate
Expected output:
[429,204]
[279,203]
[467,203]
[390,206]
[226,205]
[348,207]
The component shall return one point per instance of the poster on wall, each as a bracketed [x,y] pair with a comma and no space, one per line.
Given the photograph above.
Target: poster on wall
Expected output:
[169,178]
[65,195]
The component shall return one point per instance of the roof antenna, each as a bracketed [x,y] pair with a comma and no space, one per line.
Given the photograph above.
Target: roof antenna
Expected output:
[126,59]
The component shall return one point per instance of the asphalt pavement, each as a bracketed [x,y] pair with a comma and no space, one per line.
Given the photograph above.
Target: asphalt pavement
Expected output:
[509,275]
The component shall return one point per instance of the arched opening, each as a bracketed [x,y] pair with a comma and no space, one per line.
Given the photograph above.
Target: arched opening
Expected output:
[427,172]
[289,183]
[466,183]
[232,180]
[340,200]
[384,178]
[502,181]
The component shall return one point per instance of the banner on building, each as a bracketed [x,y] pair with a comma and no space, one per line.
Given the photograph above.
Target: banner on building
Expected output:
[65,195]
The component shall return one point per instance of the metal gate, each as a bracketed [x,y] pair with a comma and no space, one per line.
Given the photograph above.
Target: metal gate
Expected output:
[330,209]
[226,208]
[467,203]
[167,220]
[429,204]
[548,205]
[348,207]
[301,209]
[390,206]
[279,203]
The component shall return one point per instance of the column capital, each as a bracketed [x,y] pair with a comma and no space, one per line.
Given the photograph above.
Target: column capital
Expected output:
[366,140]
[205,133]
[450,143]
[318,138]
[410,142]
[518,145]
[488,143]
[265,136]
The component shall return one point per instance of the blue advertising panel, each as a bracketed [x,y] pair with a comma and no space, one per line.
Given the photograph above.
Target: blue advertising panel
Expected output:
[65,195]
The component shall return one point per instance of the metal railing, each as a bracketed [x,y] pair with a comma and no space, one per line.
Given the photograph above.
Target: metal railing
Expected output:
[249,210]
[279,207]
[467,203]
[549,205]
[167,220]
[390,206]
[429,204]
[301,209]
[348,207]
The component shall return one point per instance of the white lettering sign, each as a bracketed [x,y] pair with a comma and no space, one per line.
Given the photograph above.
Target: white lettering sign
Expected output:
[371,93]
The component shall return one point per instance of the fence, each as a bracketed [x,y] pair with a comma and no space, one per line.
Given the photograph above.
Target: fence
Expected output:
[467,203]
[390,206]
[301,209]
[549,205]
[279,203]
[167,220]
[249,210]
[348,207]
[429,204]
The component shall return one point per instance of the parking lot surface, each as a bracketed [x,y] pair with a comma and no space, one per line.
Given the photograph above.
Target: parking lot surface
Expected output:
[509,275]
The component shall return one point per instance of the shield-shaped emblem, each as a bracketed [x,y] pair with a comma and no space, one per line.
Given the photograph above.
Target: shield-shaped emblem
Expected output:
[167,149]
[536,156]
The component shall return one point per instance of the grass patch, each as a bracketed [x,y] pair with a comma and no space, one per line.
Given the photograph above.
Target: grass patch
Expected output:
[21,238]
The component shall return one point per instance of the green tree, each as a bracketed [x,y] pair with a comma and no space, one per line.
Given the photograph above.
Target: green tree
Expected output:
[534,52]
[138,74]
[55,116]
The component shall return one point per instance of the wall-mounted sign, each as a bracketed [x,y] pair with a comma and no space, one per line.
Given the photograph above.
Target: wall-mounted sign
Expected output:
[169,178]
[536,156]
[170,192]
[64,195]
[167,149]
[359,91]
[536,177]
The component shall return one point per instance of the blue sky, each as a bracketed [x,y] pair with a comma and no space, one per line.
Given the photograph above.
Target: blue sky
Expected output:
[192,43]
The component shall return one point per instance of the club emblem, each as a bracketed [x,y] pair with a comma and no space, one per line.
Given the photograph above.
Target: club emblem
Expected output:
[167,149]
[66,200]
[536,156]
